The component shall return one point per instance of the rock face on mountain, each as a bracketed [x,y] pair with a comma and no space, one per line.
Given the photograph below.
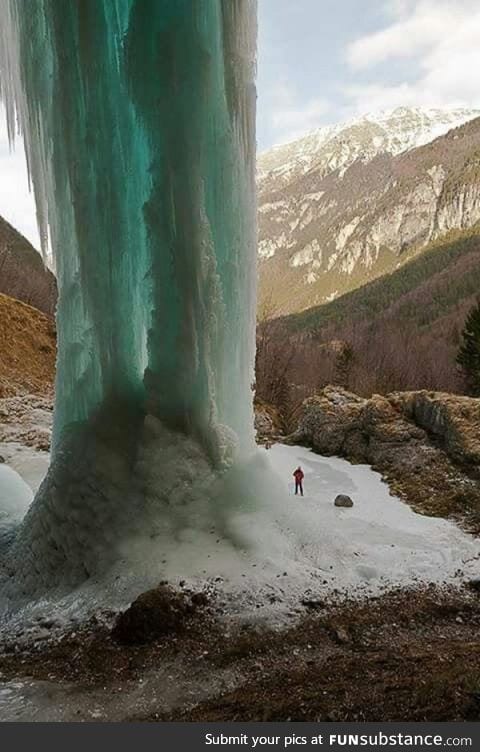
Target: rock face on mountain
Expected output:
[426,444]
[23,274]
[347,204]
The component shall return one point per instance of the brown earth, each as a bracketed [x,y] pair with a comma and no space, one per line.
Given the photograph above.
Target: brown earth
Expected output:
[411,655]
[426,445]
[27,349]
[160,611]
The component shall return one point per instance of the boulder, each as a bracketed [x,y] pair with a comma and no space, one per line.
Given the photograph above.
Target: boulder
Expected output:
[343,500]
[158,612]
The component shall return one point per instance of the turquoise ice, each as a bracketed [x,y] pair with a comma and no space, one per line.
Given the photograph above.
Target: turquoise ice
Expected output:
[139,123]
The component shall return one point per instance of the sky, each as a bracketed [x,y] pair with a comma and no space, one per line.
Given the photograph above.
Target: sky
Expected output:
[325,61]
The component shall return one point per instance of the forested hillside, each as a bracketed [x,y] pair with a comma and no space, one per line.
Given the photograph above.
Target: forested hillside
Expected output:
[399,332]
[423,290]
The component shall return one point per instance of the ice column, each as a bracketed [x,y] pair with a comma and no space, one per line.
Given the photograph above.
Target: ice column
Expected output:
[139,123]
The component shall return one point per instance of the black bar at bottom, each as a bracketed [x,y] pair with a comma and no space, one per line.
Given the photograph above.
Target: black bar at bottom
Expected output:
[143,737]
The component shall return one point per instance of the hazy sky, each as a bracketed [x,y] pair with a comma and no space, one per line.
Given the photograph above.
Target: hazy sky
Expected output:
[323,61]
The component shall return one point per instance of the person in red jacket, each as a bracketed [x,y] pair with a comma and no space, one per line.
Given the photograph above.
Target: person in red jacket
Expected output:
[299,476]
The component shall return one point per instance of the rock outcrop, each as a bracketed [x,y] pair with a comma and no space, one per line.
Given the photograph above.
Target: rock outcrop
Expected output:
[268,424]
[452,419]
[425,444]
[25,420]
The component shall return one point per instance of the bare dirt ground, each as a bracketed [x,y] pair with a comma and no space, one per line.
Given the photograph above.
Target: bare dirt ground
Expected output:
[407,655]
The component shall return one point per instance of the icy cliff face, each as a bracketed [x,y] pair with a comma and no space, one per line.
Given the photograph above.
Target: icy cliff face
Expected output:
[139,122]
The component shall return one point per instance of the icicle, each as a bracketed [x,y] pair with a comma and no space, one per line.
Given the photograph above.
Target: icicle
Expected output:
[138,120]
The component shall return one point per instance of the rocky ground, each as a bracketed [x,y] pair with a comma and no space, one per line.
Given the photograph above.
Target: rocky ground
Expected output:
[26,420]
[411,655]
[426,445]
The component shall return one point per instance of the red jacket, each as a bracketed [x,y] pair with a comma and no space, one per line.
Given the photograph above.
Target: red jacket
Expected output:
[298,475]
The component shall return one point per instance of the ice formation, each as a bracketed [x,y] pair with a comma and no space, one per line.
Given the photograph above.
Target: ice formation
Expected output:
[139,125]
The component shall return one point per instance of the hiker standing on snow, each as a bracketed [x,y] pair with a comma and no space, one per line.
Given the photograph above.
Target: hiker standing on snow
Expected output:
[299,476]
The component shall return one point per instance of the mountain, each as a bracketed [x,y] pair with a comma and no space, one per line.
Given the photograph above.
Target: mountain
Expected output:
[349,203]
[23,274]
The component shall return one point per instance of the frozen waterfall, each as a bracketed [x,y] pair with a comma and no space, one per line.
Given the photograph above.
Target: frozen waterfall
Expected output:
[139,124]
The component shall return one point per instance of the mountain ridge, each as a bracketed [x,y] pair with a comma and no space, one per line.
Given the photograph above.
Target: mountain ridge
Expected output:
[404,127]
[325,233]
[23,275]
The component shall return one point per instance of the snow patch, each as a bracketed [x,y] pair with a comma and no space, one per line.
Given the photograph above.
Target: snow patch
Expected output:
[272,207]
[306,255]
[332,296]
[269,246]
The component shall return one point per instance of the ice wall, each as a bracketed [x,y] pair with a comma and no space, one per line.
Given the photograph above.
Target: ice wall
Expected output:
[138,118]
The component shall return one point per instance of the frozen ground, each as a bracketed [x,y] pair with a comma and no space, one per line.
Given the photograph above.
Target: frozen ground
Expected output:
[293,547]
[380,539]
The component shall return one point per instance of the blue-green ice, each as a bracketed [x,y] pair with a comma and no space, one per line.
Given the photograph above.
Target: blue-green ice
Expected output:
[139,123]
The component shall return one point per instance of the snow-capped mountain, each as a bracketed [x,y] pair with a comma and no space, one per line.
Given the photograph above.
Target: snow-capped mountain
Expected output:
[343,204]
[335,147]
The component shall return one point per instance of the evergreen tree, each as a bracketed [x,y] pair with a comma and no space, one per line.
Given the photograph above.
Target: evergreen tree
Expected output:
[468,356]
